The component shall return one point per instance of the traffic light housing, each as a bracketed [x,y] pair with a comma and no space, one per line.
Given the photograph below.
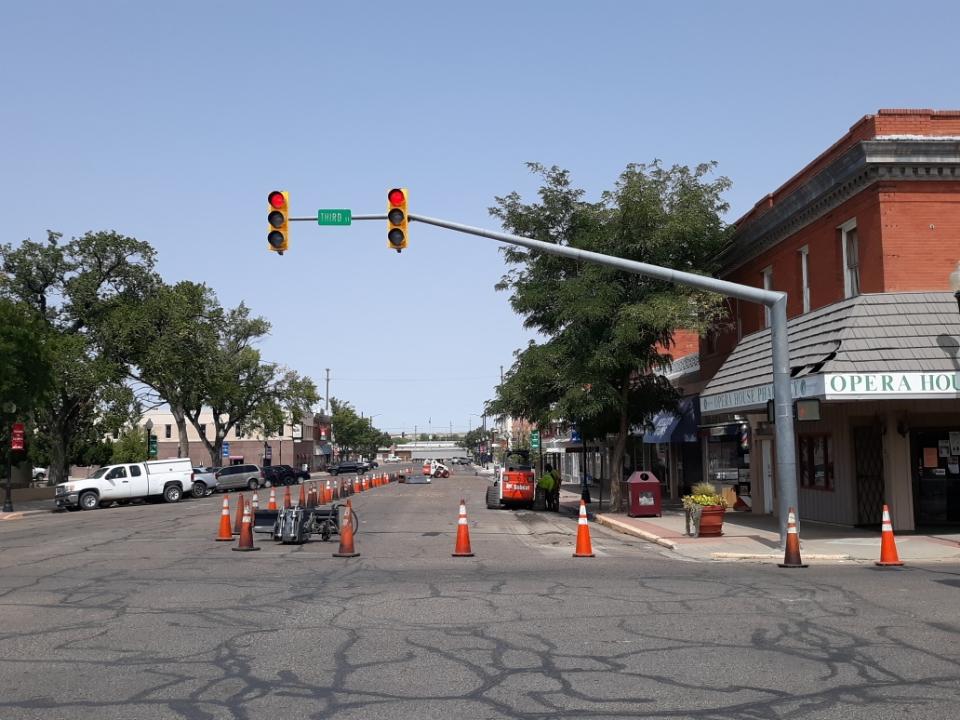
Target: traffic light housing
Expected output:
[278,217]
[397,219]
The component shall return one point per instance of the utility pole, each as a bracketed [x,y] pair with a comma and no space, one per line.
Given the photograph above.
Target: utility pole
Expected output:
[326,410]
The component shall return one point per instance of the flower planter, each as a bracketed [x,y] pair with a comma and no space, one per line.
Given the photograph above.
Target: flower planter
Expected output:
[711,520]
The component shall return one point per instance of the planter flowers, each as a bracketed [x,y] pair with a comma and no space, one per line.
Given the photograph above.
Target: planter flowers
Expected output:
[704,508]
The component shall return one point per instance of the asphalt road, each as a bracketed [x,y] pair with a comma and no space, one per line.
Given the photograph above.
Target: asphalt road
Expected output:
[136,612]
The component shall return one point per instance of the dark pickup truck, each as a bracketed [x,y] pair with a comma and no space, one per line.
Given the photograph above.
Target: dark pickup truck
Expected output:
[347,466]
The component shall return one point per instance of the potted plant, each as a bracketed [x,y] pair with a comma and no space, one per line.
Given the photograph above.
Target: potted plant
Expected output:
[704,508]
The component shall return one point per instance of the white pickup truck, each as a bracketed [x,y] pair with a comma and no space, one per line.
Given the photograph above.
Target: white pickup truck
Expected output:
[168,479]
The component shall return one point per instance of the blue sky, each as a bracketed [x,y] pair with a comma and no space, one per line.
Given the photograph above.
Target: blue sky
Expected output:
[172,121]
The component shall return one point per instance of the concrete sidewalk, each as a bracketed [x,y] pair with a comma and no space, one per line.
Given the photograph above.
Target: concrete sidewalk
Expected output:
[757,537]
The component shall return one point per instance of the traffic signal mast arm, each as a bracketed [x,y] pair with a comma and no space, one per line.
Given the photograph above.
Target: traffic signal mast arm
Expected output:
[773,299]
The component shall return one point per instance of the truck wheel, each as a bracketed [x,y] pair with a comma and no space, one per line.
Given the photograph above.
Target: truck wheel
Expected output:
[493,498]
[172,493]
[199,490]
[89,500]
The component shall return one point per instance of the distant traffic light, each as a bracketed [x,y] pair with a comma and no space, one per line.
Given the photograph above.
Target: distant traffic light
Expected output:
[397,219]
[278,215]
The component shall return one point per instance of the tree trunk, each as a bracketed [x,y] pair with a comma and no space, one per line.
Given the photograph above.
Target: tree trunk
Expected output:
[183,441]
[616,460]
[620,446]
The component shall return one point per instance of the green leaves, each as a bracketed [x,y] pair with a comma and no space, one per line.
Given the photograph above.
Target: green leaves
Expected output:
[607,333]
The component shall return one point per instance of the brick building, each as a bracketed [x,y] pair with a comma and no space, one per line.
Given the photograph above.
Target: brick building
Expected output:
[863,240]
[306,444]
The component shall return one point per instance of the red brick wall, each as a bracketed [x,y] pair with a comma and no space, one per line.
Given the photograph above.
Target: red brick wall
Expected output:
[685,342]
[917,256]
[933,123]
[899,251]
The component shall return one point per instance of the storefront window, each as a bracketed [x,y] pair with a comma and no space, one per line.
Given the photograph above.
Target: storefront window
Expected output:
[815,461]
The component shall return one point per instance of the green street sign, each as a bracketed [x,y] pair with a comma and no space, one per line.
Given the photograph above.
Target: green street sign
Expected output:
[152,447]
[334,217]
[534,439]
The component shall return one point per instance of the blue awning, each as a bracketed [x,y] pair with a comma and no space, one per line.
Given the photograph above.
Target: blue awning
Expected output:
[676,428]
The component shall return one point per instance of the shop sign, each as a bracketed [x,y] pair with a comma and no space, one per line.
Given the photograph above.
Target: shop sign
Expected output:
[893,385]
[758,396]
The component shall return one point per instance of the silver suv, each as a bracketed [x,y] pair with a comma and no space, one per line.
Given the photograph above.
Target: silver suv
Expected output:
[237,477]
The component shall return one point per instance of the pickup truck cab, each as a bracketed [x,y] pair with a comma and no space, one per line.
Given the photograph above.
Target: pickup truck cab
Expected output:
[167,479]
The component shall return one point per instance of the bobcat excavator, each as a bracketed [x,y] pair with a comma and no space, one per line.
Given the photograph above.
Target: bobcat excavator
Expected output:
[516,486]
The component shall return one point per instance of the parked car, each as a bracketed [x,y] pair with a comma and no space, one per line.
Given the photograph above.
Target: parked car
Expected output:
[348,466]
[392,459]
[237,477]
[167,479]
[296,475]
[204,481]
[373,464]
[277,475]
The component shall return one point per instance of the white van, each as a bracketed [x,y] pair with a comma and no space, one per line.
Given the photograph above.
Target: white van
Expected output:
[168,479]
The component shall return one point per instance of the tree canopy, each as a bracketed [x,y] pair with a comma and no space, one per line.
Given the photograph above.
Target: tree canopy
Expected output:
[71,287]
[606,333]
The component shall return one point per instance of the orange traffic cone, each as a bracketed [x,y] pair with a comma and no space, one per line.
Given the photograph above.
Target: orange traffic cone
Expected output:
[462,548]
[287,502]
[245,543]
[346,534]
[584,548]
[272,504]
[225,532]
[888,545]
[302,500]
[255,502]
[239,519]
[791,558]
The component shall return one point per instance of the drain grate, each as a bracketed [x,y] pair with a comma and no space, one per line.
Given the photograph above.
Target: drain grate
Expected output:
[430,534]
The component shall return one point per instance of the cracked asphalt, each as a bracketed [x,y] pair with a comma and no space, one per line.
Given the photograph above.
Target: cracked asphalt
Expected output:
[137,613]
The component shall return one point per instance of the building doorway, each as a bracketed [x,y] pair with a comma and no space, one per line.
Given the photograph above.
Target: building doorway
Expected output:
[868,459]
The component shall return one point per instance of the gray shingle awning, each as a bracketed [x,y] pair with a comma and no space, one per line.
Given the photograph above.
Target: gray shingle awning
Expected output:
[878,333]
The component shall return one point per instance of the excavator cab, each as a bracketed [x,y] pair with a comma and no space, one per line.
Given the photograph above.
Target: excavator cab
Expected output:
[516,486]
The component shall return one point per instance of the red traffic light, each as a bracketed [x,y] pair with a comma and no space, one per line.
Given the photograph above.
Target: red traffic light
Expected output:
[276,199]
[396,196]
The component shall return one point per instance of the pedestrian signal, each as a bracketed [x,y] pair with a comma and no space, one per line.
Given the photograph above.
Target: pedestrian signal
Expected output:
[278,216]
[397,219]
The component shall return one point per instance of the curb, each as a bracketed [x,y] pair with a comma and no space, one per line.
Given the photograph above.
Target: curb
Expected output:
[630,530]
[778,557]
[17,515]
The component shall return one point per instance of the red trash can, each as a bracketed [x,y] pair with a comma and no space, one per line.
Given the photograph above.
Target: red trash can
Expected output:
[644,494]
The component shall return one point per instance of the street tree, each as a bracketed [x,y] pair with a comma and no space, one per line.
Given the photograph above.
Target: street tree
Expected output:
[607,333]
[241,389]
[169,344]
[26,371]
[72,286]
[355,435]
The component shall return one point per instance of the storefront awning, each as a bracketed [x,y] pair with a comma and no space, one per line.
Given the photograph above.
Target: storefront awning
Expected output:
[677,427]
[883,346]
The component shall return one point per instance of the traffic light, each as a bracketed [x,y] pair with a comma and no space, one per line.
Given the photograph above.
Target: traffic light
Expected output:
[397,219]
[278,215]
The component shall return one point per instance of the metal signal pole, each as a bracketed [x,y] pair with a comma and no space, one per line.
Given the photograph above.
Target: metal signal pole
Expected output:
[773,299]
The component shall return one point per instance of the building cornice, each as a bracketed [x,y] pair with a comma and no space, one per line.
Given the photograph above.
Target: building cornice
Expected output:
[894,158]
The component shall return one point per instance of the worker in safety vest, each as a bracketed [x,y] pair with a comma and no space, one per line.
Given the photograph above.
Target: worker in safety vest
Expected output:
[549,482]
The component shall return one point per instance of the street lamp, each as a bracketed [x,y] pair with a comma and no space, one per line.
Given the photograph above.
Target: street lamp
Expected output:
[9,408]
[148,425]
[955,283]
